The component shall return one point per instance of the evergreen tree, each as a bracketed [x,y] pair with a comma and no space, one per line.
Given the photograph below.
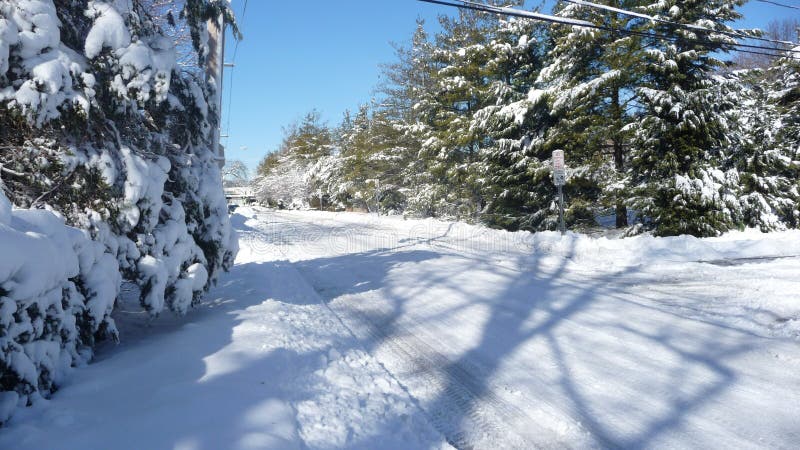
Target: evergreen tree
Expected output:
[99,124]
[405,99]
[286,176]
[787,89]
[678,188]
[513,173]
[461,87]
[592,78]
[766,168]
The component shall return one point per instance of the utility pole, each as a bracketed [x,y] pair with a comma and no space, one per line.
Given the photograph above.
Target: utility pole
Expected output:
[214,65]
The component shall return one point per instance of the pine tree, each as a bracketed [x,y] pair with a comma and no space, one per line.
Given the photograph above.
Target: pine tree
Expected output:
[461,88]
[286,176]
[354,154]
[678,188]
[405,103]
[788,138]
[766,169]
[513,173]
[592,78]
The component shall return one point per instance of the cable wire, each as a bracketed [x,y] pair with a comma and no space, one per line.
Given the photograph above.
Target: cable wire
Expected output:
[660,36]
[733,34]
[779,4]
[584,24]
[233,69]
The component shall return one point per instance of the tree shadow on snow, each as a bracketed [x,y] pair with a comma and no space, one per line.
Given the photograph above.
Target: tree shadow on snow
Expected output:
[636,384]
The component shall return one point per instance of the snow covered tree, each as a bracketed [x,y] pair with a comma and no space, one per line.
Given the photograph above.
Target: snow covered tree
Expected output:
[461,86]
[512,171]
[405,96]
[678,187]
[592,78]
[235,173]
[787,157]
[98,124]
[767,169]
[285,176]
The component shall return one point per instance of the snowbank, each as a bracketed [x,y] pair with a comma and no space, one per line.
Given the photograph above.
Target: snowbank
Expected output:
[646,249]
[57,290]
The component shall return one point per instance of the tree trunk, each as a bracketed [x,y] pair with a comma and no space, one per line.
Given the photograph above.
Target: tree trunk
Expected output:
[619,160]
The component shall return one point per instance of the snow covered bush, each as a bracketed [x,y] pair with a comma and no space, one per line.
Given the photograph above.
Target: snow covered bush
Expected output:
[99,125]
[57,290]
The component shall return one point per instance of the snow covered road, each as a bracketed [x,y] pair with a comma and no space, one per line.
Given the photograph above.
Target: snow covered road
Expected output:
[353,331]
[506,347]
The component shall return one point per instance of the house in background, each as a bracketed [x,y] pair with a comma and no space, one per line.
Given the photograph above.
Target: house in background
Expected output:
[240,195]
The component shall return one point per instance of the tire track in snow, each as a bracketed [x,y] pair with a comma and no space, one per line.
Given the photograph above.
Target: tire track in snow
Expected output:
[265,238]
[462,404]
[457,398]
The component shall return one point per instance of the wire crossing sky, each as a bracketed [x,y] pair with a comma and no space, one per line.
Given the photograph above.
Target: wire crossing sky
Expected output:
[327,55]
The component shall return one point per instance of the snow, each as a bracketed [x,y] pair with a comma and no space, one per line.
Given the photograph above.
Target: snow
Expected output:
[344,330]
[109,30]
[143,187]
[5,210]
[145,68]
[39,27]
[50,275]
[30,31]
[8,403]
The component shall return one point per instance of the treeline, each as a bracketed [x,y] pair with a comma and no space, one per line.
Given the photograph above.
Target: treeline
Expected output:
[660,135]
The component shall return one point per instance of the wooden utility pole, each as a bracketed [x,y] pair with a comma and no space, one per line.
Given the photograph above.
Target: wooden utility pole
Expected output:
[214,65]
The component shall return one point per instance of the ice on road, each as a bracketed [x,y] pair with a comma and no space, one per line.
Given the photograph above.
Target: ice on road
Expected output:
[353,331]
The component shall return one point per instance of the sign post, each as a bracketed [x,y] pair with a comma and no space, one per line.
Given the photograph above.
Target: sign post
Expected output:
[560,179]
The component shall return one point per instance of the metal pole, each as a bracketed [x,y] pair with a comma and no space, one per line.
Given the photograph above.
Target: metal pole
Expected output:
[561,224]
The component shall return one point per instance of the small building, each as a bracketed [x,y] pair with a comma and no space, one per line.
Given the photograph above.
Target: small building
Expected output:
[240,195]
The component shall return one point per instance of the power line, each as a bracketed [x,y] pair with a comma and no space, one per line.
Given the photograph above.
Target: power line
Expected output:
[585,24]
[233,68]
[733,34]
[236,47]
[657,35]
[779,4]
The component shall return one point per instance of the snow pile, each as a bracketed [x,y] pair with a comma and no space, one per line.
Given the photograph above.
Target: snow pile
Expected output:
[646,249]
[57,290]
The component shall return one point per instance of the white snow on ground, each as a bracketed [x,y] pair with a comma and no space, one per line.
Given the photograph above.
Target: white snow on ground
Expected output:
[348,330]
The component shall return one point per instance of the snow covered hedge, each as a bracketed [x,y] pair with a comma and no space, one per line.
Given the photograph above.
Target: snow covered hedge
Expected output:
[105,148]
[57,290]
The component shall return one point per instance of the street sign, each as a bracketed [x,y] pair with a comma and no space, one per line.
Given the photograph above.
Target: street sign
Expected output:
[559,171]
[560,179]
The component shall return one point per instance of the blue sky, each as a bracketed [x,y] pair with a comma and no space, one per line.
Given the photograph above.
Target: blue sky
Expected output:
[325,54]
